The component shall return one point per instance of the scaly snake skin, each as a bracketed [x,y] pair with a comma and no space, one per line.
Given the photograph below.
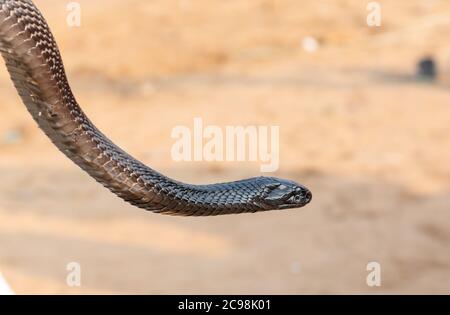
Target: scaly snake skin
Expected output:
[36,68]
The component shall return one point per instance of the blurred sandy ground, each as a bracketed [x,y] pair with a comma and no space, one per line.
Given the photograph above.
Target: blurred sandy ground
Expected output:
[371,143]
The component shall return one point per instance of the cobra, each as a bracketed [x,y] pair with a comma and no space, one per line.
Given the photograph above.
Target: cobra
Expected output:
[35,66]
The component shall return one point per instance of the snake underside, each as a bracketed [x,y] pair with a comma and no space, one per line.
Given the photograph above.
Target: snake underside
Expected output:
[36,69]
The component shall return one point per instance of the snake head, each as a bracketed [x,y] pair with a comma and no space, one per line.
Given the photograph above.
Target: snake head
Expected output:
[285,194]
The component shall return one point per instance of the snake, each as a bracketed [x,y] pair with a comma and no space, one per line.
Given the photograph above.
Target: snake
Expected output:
[36,69]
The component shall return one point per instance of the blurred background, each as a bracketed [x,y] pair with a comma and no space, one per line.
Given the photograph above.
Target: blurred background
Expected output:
[357,126]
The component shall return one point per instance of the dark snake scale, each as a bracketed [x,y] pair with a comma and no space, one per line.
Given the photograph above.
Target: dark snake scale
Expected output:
[36,68]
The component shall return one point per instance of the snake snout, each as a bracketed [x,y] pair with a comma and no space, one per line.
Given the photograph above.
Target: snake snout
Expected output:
[307,196]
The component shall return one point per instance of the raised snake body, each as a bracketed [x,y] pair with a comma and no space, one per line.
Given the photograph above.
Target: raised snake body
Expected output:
[36,68]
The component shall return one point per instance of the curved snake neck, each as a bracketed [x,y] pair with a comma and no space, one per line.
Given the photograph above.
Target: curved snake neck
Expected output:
[36,68]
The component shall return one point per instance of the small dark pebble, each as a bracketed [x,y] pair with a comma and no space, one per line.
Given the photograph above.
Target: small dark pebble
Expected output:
[427,69]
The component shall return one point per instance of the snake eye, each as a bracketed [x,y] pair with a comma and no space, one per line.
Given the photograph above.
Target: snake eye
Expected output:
[297,198]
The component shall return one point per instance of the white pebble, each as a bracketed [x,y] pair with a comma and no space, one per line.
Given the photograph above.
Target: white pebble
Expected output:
[310,44]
